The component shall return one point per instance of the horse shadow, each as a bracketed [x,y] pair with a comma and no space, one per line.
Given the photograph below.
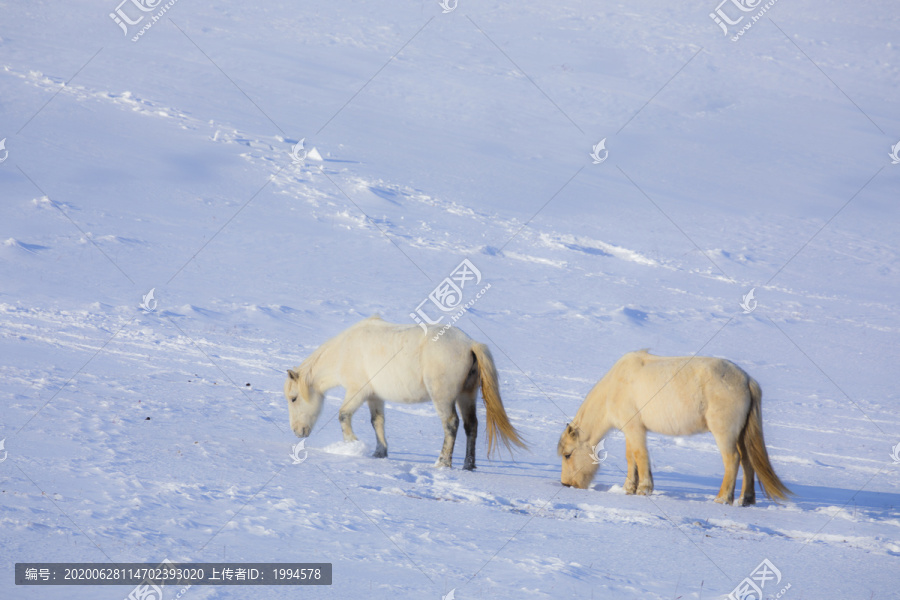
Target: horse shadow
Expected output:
[680,486]
[806,497]
[520,468]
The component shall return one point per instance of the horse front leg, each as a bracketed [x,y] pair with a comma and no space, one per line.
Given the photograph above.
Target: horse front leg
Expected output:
[631,473]
[376,412]
[639,460]
[352,401]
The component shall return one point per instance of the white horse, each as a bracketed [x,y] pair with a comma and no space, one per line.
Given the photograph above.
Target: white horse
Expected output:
[674,396]
[375,361]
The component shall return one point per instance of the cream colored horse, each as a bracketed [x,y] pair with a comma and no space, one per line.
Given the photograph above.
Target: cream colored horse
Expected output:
[674,396]
[375,362]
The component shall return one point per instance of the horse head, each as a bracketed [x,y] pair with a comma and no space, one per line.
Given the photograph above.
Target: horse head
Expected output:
[578,464]
[304,402]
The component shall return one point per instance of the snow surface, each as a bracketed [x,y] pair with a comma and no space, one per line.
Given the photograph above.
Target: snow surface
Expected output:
[165,164]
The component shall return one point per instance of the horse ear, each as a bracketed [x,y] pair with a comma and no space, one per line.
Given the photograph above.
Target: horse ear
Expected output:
[293,375]
[571,431]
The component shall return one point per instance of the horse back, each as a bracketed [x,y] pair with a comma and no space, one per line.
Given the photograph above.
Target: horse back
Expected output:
[679,395]
[402,363]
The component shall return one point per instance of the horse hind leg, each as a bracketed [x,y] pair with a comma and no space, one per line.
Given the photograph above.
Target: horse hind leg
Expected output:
[447,411]
[466,403]
[376,412]
[748,486]
[731,459]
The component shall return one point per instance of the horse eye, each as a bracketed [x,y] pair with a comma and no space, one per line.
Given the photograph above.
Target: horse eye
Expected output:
[567,456]
[294,399]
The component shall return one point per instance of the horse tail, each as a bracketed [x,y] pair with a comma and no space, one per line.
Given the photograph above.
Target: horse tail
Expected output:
[752,440]
[498,424]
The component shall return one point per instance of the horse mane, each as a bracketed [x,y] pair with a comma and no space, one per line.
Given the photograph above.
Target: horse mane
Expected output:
[310,362]
[313,363]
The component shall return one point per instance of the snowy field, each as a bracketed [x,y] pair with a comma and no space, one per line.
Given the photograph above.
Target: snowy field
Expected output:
[732,159]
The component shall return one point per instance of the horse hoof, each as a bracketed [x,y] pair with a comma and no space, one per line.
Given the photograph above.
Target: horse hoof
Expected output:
[748,501]
[723,500]
[644,491]
[379,454]
[469,466]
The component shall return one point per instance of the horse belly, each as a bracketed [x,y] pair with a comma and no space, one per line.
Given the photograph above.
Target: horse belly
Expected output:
[399,385]
[674,418]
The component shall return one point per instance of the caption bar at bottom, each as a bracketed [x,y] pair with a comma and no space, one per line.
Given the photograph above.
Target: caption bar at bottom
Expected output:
[174,574]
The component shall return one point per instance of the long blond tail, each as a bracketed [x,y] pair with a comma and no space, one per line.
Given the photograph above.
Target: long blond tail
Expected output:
[752,435]
[498,424]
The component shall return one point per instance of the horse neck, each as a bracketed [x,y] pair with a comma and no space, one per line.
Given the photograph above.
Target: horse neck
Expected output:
[322,366]
[593,416]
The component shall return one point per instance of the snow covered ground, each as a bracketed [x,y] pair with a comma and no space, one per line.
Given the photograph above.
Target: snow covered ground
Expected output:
[165,163]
